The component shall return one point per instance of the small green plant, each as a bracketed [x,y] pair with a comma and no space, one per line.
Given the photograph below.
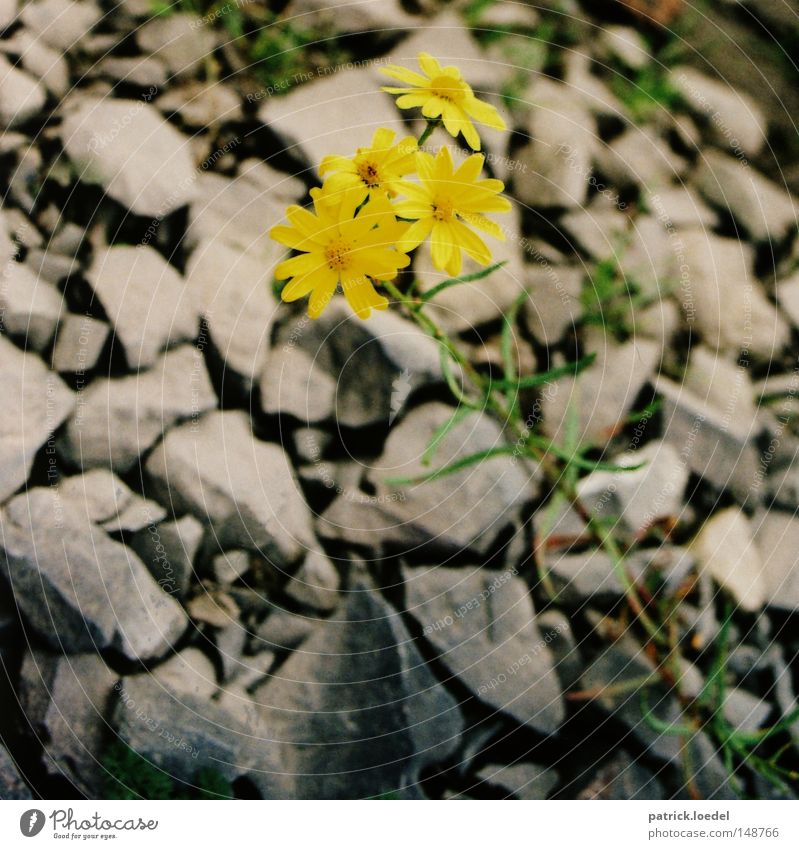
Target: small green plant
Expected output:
[131,776]
[647,92]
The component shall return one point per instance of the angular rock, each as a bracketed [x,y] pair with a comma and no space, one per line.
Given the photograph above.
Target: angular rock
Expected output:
[316,583]
[168,550]
[765,211]
[79,342]
[521,780]
[777,541]
[63,24]
[202,105]
[142,71]
[44,63]
[361,372]
[8,11]
[181,42]
[78,588]
[680,207]
[627,45]
[30,308]
[788,298]
[12,784]
[622,779]
[554,306]
[219,472]
[482,626]
[22,97]
[118,419]
[463,510]
[380,18]
[189,672]
[128,148]
[36,402]
[639,157]
[359,685]
[146,300]
[66,701]
[725,547]
[280,186]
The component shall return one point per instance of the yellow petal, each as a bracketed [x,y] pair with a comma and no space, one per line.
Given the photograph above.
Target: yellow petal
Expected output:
[299,265]
[470,170]
[404,75]
[485,113]
[470,134]
[471,243]
[480,222]
[321,296]
[415,235]
[441,245]
[290,237]
[429,65]
[433,107]
[362,296]
[383,138]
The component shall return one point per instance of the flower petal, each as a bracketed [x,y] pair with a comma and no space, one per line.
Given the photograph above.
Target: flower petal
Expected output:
[362,296]
[429,65]
[404,75]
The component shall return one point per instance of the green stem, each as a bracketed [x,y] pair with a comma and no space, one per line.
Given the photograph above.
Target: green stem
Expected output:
[432,123]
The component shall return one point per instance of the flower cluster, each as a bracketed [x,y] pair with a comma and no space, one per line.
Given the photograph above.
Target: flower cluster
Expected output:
[369,214]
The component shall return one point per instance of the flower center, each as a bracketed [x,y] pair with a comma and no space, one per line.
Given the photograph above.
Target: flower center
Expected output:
[337,255]
[368,172]
[450,89]
[443,208]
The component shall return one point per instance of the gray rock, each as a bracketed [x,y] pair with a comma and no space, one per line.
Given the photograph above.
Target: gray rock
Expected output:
[777,541]
[640,497]
[733,119]
[128,148]
[21,96]
[592,92]
[8,11]
[168,550]
[36,402]
[283,630]
[525,781]
[63,24]
[622,779]
[744,711]
[724,302]
[201,105]
[625,44]
[79,341]
[188,673]
[66,701]
[764,210]
[316,583]
[713,445]
[554,306]
[30,308]
[42,62]
[79,589]
[230,566]
[723,384]
[788,298]
[118,419]
[648,261]
[361,372]
[360,686]
[146,300]
[217,471]
[639,157]
[280,186]
[598,230]
[604,393]
[379,18]
[12,784]
[109,502]
[680,207]
[467,509]
[180,41]
[725,548]
[143,71]
[233,291]
[482,626]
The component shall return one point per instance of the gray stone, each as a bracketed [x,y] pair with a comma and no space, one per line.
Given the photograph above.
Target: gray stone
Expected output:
[744,711]
[763,209]
[359,685]
[79,341]
[233,291]
[482,626]
[648,261]
[189,672]
[625,44]
[280,186]
[30,308]
[35,402]
[21,96]
[777,541]
[525,781]
[467,509]
[230,566]
[109,502]
[202,105]
[141,71]
[8,11]
[316,583]
[118,419]
[214,608]
[42,62]
[66,700]
[12,784]
[638,157]
[713,445]
[146,300]
[679,207]
[724,302]
[640,497]
[128,148]
[168,550]
[554,306]
[788,298]
[733,119]
[217,471]
[283,630]
[597,230]
[379,18]
[725,548]
[622,779]
[604,393]
[63,24]
[78,588]
[592,92]
[722,384]
[361,372]
[182,42]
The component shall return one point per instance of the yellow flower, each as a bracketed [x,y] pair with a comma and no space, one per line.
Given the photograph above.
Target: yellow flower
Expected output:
[340,244]
[443,93]
[443,201]
[373,169]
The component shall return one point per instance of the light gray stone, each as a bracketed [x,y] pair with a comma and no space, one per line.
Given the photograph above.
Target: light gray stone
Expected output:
[639,157]
[141,71]
[316,583]
[118,419]
[126,146]
[42,62]
[378,18]
[181,41]
[79,342]
[777,541]
[146,300]
[679,207]
[216,470]
[21,96]
[202,105]
[189,672]
[229,566]
[554,306]
[625,44]
[79,589]
[168,550]
[30,307]
[482,625]
[36,402]
[521,780]
[12,784]
[8,11]
[63,24]
[622,779]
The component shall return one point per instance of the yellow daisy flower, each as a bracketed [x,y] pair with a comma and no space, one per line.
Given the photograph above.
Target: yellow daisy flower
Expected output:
[340,243]
[443,204]
[443,93]
[373,169]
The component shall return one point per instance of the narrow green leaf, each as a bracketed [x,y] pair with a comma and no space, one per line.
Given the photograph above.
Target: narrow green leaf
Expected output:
[458,416]
[545,377]
[464,278]
[456,466]
[578,460]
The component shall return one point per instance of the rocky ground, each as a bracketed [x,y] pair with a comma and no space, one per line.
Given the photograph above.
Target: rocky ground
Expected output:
[208,585]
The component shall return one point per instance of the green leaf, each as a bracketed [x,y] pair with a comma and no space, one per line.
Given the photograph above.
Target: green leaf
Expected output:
[547,376]
[455,281]
[578,460]
[458,416]
[455,466]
